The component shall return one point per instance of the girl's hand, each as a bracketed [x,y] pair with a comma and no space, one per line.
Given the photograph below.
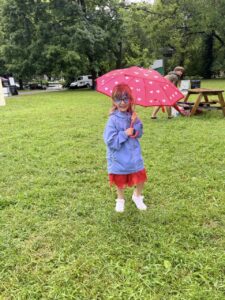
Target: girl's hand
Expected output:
[134,117]
[129,131]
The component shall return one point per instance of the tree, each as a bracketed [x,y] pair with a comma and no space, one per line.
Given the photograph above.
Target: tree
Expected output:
[60,36]
[138,46]
[69,38]
[3,69]
[196,37]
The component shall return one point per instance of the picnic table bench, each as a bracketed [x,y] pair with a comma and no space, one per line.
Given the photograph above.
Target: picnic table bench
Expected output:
[202,94]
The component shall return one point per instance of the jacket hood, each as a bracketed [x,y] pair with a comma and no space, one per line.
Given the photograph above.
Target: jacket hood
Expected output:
[122,115]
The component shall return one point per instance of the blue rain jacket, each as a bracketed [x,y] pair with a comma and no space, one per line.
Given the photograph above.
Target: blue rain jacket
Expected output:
[123,152]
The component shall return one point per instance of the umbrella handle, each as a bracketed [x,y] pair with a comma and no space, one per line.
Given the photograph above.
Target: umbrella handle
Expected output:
[132,122]
[135,131]
[133,110]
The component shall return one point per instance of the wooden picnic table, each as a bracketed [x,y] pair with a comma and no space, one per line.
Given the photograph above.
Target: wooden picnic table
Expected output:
[203,94]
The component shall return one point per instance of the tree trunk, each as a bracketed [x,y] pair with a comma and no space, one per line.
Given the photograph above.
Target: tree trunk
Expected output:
[208,56]
[21,84]
[94,76]
[83,5]
[119,56]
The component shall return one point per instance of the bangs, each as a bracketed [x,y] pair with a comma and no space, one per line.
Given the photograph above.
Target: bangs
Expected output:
[121,89]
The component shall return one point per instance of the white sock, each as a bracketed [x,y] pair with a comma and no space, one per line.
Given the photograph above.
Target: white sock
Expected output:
[120,205]
[138,200]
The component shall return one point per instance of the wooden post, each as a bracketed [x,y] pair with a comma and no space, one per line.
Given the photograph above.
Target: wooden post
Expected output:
[222,103]
[2,98]
[194,108]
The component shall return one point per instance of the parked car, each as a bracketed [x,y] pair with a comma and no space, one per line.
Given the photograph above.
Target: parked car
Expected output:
[54,85]
[82,81]
[37,86]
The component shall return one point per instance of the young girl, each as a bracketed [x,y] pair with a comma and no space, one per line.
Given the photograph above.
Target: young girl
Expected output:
[125,163]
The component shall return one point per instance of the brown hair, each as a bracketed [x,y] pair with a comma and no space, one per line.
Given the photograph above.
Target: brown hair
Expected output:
[117,92]
[179,68]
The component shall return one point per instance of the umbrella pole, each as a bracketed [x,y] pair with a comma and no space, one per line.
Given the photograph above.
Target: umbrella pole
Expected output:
[132,123]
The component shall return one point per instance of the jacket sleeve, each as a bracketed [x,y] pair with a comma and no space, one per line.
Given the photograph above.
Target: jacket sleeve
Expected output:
[138,128]
[114,138]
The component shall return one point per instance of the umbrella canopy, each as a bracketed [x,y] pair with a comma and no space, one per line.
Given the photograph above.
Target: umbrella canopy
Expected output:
[149,88]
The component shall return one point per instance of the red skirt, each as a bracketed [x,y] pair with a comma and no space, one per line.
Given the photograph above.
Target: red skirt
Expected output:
[124,180]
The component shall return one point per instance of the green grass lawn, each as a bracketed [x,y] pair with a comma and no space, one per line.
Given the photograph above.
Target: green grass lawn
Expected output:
[60,237]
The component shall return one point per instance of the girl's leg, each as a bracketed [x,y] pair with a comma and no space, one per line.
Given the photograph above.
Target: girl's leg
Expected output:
[120,200]
[137,198]
[169,112]
[120,193]
[139,189]
[155,111]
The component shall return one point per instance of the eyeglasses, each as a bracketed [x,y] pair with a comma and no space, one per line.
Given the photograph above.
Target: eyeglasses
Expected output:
[125,100]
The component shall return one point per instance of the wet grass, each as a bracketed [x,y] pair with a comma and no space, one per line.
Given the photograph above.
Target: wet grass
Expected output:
[60,237]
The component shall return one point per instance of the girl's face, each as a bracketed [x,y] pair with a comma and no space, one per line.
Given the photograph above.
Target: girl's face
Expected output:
[122,102]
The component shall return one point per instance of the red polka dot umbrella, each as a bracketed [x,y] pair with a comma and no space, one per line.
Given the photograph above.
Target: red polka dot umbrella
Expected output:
[149,88]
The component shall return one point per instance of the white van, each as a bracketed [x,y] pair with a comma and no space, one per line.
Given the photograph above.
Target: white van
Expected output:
[9,86]
[82,81]
[5,87]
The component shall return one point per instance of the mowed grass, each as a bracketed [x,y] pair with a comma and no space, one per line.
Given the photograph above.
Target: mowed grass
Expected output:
[60,237]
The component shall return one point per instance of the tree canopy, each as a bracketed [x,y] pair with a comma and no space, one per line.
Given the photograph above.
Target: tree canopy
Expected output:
[64,38]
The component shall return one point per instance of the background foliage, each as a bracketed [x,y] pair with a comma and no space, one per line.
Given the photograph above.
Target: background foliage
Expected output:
[69,38]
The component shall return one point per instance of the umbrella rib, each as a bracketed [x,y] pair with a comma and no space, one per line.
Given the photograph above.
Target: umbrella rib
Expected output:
[167,96]
[145,90]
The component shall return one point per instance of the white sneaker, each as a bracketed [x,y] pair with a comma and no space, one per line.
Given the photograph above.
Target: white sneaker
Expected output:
[138,200]
[120,205]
